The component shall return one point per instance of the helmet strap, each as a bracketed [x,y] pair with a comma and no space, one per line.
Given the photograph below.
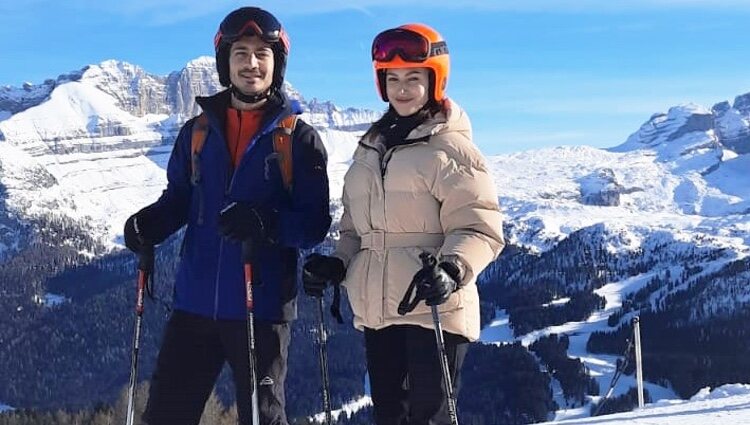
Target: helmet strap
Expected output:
[245,98]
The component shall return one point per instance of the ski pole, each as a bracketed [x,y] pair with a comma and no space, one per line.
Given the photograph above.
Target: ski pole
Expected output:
[444,365]
[408,303]
[247,255]
[145,265]
[322,339]
[429,262]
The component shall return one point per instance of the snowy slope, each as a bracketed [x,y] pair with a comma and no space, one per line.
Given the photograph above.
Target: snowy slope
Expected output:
[602,367]
[546,200]
[17,99]
[726,405]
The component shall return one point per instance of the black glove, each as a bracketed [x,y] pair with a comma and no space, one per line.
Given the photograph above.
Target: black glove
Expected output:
[437,285]
[241,221]
[141,230]
[319,270]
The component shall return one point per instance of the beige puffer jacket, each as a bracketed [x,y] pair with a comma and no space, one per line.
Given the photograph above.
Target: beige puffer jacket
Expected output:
[435,195]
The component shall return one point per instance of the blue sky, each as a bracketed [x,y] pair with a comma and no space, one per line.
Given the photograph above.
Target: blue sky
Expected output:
[531,73]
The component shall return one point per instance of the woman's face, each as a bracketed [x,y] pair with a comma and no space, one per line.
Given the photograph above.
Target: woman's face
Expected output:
[407,89]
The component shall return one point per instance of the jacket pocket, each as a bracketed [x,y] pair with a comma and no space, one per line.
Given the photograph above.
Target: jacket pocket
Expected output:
[288,274]
[356,282]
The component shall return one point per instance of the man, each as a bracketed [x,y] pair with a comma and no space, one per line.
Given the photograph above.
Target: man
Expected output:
[229,193]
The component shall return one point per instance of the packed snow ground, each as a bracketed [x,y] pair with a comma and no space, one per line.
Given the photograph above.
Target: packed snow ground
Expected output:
[725,405]
[348,409]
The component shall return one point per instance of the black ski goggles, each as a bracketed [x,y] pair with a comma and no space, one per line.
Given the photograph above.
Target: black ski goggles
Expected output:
[268,29]
[409,45]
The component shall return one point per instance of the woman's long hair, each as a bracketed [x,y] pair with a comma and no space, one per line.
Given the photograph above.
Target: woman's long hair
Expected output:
[391,116]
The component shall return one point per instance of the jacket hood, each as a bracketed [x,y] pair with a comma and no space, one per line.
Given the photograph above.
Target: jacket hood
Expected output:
[451,118]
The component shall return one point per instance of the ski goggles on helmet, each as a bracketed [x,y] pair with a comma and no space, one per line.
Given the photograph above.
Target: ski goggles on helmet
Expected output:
[254,22]
[409,45]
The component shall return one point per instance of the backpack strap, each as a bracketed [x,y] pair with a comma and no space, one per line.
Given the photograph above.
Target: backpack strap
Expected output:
[282,146]
[198,138]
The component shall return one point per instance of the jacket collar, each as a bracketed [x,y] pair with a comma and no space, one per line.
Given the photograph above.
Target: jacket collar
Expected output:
[450,118]
[277,107]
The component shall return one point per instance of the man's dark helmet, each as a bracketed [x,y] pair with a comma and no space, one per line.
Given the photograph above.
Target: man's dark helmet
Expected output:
[251,21]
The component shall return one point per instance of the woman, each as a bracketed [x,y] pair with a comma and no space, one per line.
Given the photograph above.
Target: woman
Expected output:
[417,184]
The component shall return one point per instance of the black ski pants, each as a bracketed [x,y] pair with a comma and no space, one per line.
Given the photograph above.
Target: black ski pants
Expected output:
[193,353]
[406,380]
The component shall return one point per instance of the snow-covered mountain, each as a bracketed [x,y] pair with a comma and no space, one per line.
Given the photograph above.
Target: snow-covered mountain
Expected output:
[675,179]
[678,186]
[97,141]
[93,144]
[676,172]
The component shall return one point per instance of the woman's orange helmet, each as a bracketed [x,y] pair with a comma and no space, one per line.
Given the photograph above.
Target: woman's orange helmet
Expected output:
[412,46]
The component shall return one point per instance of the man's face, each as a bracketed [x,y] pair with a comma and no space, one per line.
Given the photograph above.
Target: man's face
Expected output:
[251,65]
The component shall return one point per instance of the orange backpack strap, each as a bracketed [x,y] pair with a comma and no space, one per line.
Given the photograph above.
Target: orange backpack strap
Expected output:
[282,146]
[200,129]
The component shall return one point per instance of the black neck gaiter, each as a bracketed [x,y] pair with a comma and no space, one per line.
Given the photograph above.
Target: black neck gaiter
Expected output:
[395,128]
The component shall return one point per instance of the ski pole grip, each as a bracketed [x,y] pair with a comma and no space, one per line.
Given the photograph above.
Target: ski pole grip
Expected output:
[247,258]
[247,251]
[145,273]
[336,304]
[408,303]
[428,261]
[412,297]
[145,267]
[146,258]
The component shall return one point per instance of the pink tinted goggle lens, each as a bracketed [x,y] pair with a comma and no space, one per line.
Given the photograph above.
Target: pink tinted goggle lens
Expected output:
[410,46]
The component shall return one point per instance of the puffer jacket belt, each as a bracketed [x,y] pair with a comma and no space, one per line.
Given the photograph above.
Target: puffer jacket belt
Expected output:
[378,240]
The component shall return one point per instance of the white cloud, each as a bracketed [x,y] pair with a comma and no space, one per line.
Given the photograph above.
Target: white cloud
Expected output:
[173,11]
